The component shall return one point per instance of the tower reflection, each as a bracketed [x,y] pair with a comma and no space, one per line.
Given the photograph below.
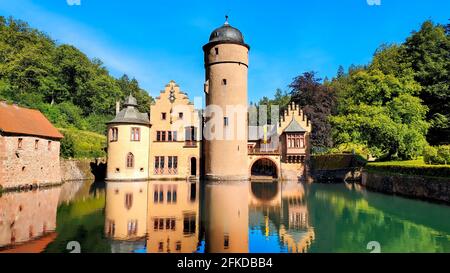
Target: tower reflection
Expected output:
[226,217]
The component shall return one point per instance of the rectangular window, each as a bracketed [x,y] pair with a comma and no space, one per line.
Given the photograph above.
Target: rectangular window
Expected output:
[226,241]
[189,224]
[174,135]
[128,200]
[217,50]
[113,134]
[132,227]
[19,143]
[163,116]
[225,121]
[169,162]
[169,136]
[36,144]
[49,147]
[163,136]
[135,134]
[180,115]
[178,246]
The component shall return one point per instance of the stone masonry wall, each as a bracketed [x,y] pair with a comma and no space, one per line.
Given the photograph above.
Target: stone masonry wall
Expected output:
[428,188]
[30,163]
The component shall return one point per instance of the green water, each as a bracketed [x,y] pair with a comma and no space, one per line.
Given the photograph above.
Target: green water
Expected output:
[227,217]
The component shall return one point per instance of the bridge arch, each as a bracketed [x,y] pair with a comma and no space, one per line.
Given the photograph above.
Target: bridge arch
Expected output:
[264,167]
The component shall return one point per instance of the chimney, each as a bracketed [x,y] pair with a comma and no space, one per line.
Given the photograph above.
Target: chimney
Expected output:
[117,107]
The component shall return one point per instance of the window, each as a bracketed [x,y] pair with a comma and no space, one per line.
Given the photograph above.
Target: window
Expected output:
[36,144]
[159,164]
[128,200]
[217,50]
[132,227]
[172,162]
[113,134]
[180,115]
[161,247]
[117,170]
[172,194]
[130,160]
[49,145]
[189,224]
[226,241]
[225,121]
[111,228]
[190,133]
[163,136]
[163,116]
[178,246]
[135,134]
[174,135]
[169,136]
[224,82]
[19,143]
[158,136]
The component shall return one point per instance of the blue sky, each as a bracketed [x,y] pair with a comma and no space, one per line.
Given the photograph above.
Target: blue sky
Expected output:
[157,41]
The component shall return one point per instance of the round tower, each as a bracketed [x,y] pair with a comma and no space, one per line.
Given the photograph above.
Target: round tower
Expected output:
[226,67]
[128,144]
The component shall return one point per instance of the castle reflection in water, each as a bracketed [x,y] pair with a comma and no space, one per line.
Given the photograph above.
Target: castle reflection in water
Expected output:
[181,217]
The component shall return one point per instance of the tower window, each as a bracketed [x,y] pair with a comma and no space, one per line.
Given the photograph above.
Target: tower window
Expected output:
[19,143]
[36,144]
[49,146]
[224,81]
[135,134]
[225,121]
[180,115]
[217,50]
[113,134]
[163,116]
[130,160]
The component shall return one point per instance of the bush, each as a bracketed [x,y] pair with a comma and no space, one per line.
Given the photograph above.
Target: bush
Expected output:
[437,155]
[423,170]
[355,148]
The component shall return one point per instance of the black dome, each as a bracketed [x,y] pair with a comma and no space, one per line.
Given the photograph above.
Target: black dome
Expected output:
[226,33]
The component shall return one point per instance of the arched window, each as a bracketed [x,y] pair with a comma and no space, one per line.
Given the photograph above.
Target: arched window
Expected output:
[130,160]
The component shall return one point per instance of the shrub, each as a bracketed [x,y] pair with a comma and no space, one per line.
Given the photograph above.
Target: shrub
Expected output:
[437,155]
[82,144]
[423,170]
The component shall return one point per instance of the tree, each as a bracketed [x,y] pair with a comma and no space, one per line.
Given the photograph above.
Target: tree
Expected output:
[318,103]
[428,51]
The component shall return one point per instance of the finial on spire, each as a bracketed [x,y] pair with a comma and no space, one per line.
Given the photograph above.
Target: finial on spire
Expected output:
[226,20]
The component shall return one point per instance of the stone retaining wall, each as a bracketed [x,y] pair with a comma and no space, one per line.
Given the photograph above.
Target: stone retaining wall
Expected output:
[427,188]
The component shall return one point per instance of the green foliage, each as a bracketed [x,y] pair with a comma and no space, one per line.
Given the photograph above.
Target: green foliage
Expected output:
[355,148]
[421,170]
[437,155]
[82,144]
[59,80]
[336,161]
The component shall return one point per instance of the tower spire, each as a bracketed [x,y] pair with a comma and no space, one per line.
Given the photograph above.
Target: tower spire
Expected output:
[226,20]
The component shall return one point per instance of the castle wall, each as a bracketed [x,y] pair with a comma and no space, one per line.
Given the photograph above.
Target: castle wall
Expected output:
[30,163]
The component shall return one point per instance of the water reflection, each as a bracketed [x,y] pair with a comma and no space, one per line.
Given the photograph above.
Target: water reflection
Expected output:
[235,217]
[226,217]
[28,220]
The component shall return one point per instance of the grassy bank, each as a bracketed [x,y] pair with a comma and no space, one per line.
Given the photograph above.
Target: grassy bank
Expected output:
[82,144]
[410,167]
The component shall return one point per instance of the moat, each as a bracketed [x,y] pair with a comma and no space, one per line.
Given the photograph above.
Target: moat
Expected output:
[185,217]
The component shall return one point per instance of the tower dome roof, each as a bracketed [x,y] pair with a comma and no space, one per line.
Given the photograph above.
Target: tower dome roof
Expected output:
[227,34]
[129,114]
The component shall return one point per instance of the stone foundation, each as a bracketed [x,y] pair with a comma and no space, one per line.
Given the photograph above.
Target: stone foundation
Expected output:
[427,188]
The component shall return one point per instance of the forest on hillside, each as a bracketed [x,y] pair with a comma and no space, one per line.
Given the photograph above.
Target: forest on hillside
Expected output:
[72,90]
[395,107]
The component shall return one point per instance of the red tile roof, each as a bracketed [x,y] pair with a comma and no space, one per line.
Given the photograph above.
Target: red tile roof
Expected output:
[23,121]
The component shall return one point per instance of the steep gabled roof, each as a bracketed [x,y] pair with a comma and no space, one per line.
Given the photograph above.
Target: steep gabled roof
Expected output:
[294,127]
[24,121]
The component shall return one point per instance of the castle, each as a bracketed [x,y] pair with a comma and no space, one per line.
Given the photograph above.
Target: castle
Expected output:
[177,141]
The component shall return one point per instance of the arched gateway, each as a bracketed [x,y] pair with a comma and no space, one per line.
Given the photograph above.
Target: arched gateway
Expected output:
[264,168]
